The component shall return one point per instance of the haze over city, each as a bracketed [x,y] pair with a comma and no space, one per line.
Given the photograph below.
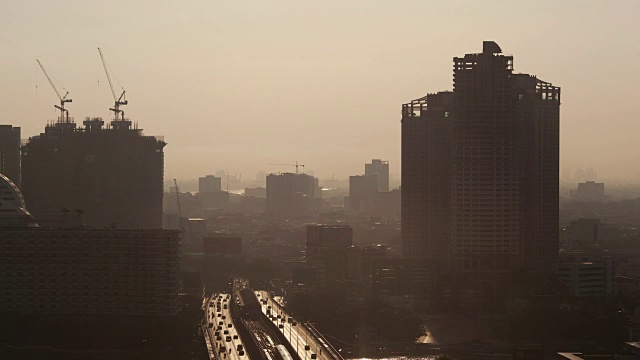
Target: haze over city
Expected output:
[239,86]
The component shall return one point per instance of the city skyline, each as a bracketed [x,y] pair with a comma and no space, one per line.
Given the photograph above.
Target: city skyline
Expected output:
[337,86]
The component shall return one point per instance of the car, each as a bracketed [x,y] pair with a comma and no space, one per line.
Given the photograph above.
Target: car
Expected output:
[210,325]
[294,323]
[224,317]
[220,323]
[313,356]
[228,338]
[226,332]
[241,352]
[219,327]
[279,316]
[218,338]
[280,326]
[222,350]
[230,325]
[307,347]
[235,337]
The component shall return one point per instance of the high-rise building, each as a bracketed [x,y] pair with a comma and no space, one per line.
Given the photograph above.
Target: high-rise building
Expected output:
[362,190]
[480,171]
[209,184]
[112,175]
[292,194]
[380,168]
[84,271]
[327,250]
[589,191]
[10,153]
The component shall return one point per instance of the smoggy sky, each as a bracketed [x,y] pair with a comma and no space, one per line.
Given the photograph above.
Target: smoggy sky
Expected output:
[239,85]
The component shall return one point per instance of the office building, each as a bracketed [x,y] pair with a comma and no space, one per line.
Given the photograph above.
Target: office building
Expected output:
[480,172]
[589,191]
[327,250]
[380,168]
[209,184]
[588,277]
[362,190]
[291,194]
[82,271]
[113,175]
[387,205]
[10,153]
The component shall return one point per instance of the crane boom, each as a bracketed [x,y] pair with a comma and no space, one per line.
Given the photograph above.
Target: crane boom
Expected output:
[64,113]
[118,100]
[296,166]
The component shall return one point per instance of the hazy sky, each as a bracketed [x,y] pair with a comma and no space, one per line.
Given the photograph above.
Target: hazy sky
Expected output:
[239,85]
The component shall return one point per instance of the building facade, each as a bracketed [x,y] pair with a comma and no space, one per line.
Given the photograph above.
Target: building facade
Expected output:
[480,172]
[380,168]
[209,184]
[291,194]
[10,153]
[362,190]
[112,175]
[77,271]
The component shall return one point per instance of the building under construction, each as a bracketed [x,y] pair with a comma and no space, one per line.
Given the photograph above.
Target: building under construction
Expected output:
[95,175]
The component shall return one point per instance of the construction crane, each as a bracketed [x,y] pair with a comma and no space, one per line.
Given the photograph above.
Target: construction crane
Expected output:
[179,207]
[64,113]
[119,100]
[296,165]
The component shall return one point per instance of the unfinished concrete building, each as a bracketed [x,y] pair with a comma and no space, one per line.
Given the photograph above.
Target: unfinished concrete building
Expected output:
[98,176]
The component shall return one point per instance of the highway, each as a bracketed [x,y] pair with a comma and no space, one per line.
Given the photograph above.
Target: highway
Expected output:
[224,328]
[298,336]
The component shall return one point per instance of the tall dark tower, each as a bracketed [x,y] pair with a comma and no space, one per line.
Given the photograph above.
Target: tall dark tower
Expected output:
[480,172]
[113,175]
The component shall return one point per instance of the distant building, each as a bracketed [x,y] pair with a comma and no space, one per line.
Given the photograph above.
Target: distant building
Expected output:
[480,174]
[588,277]
[387,204]
[114,175]
[221,244]
[589,191]
[258,192]
[291,194]
[195,230]
[362,190]
[10,153]
[327,250]
[209,184]
[584,231]
[380,168]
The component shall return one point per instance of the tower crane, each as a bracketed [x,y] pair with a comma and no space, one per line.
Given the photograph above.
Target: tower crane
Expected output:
[296,165]
[119,100]
[64,113]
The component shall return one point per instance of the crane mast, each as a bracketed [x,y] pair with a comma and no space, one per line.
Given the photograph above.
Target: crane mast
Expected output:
[64,113]
[119,100]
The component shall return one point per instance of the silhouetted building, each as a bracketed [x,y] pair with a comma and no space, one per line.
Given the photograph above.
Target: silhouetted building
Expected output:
[79,271]
[292,194]
[387,204]
[584,231]
[480,172]
[10,153]
[258,192]
[380,168]
[362,189]
[589,191]
[588,277]
[209,184]
[327,250]
[114,175]
[222,244]
[60,271]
